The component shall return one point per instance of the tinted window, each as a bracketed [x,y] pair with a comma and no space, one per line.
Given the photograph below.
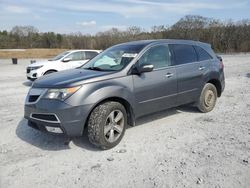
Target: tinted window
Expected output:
[184,53]
[90,55]
[157,56]
[202,54]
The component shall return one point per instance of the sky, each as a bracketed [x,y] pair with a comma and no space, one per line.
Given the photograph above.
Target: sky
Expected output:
[90,17]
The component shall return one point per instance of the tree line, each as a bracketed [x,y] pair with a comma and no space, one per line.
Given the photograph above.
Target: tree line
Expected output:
[227,36]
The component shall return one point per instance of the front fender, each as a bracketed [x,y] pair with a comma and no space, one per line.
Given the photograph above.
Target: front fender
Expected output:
[90,95]
[95,92]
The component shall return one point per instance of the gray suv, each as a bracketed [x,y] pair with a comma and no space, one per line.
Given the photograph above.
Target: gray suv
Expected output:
[122,83]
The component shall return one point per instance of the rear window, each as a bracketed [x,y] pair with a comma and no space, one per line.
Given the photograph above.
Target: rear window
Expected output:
[183,53]
[202,54]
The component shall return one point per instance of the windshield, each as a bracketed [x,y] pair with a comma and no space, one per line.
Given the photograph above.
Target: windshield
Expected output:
[61,55]
[114,58]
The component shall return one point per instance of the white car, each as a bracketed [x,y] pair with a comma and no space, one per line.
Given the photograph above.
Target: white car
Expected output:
[66,60]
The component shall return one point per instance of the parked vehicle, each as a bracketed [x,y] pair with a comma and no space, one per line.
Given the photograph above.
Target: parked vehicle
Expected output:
[66,60]
[123,83]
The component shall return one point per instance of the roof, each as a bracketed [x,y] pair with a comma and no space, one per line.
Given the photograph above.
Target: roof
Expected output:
[174,41]
[86,50]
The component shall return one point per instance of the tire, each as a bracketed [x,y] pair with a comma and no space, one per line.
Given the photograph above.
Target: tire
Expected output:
[107,124]
[49,72]
[207,98]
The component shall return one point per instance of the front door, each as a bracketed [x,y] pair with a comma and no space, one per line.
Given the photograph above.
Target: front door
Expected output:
[76,60]
[156,90]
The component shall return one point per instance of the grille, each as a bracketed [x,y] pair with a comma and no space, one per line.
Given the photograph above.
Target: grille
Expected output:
[33,98]
[45,117]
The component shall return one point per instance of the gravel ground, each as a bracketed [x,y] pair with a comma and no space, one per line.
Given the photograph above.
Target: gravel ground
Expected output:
[176,148]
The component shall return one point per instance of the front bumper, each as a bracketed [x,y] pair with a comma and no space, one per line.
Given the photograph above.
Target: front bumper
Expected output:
[56,116]
[33,74]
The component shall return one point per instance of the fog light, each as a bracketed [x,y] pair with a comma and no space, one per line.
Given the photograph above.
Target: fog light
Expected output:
[54,129]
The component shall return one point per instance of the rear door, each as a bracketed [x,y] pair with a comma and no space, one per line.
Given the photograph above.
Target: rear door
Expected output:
[189,72]
[204,58]
[156,90]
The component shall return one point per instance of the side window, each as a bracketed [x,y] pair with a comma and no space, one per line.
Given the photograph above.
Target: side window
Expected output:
[90,55]
[202,54]
[76,56]
[184,53]
[159,56]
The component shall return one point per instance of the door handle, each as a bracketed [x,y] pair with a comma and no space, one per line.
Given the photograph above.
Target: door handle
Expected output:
[201,68]
[169,75]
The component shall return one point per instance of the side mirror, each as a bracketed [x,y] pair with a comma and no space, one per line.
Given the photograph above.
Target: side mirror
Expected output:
[146,68]
[67,59]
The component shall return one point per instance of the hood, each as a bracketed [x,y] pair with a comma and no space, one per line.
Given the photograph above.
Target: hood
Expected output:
[67,78]
[39,63]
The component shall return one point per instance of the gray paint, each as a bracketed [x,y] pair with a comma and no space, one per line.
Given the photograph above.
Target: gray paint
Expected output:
[145,93]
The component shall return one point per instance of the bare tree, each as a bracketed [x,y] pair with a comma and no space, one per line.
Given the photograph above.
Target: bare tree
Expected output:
[227,36]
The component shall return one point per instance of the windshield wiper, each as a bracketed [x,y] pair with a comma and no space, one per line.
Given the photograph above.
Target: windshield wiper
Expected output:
[94,68]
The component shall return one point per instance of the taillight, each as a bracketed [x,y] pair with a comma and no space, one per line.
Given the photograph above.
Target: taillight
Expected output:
[221,62]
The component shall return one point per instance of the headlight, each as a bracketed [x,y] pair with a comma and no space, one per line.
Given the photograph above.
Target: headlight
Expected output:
[36,67]
[60,94]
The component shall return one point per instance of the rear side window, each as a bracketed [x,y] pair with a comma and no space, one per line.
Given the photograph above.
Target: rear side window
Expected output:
[90,55]
[183,53]
[202,54]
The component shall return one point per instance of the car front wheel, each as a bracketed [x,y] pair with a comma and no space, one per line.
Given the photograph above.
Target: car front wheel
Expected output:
[107,124]
[207,98]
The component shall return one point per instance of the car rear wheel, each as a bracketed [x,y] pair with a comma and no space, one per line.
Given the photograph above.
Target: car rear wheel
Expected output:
[107,124]
[207,98]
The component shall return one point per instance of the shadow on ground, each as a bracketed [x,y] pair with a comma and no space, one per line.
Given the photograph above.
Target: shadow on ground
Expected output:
[54,142]
[48,141]
[27,83]
[165,113]
[248,75]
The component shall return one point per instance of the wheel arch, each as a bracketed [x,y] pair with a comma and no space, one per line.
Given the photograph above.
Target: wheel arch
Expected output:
[54,70]
[217,84]
[124,102]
